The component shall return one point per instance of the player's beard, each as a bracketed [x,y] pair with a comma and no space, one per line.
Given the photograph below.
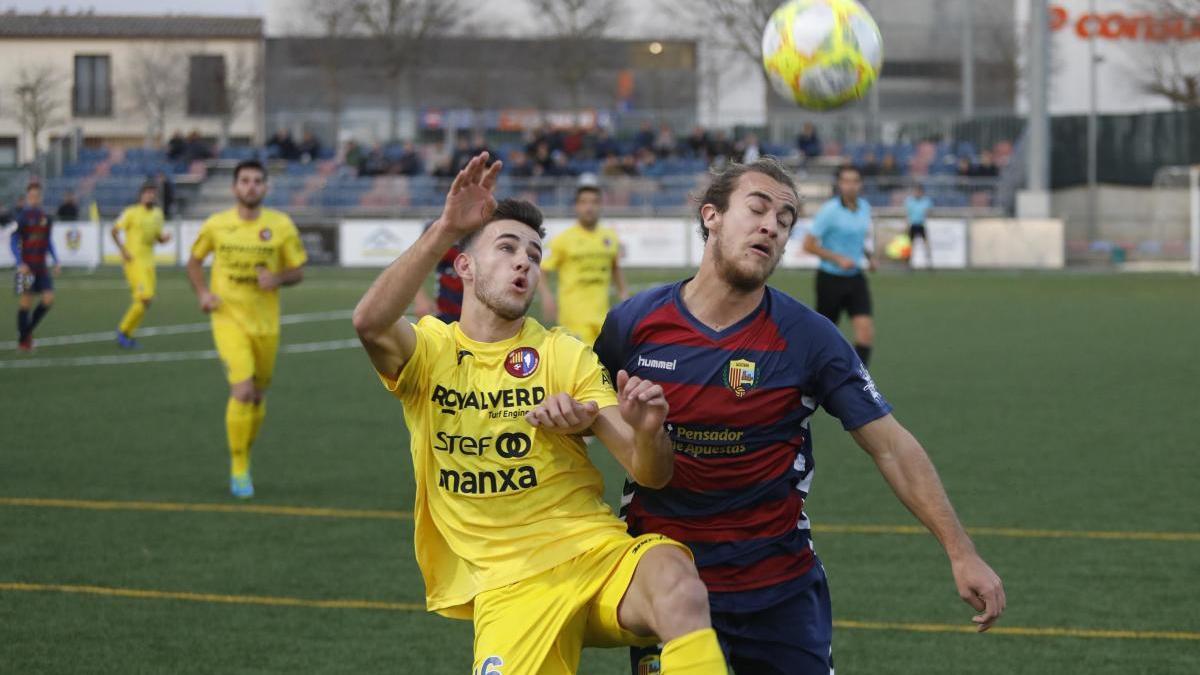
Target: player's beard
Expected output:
[250,203]
[737,276]
[509,309]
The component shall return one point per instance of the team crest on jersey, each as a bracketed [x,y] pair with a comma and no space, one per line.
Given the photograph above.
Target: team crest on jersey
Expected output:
[740,376]
[265,234]
[649,665]
[522,361]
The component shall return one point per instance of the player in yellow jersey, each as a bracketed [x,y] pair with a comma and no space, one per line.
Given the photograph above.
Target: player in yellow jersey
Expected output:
[142,224]
[511,529]
[255,252]
[584,256]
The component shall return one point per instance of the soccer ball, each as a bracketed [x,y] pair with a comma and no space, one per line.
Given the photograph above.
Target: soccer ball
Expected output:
[822,53]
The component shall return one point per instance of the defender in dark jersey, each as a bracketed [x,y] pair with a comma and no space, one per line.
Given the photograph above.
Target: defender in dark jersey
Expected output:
[744,368]
[31,245]
[447,307]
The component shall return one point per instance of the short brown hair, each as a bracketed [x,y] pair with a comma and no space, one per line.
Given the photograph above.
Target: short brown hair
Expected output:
[510,209]
[725,180]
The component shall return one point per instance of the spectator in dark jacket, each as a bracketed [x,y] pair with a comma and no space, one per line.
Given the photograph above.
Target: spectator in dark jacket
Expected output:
[808,142]
[176,147]
[166,193]
[309,149]
[68,210]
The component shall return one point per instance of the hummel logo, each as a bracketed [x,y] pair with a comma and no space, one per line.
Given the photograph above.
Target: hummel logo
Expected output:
[656,363]
[462,354]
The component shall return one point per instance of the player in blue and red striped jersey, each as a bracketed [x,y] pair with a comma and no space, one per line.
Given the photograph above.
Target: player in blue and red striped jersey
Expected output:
[31,245]
[448,305]
[744,368]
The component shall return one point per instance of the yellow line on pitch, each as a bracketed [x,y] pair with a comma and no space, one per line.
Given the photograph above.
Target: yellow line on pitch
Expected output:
[1021,631]
[258,509]
[266,600]
[275,601]
[383,514]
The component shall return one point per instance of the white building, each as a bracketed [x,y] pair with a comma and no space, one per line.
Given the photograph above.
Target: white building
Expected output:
[100,75]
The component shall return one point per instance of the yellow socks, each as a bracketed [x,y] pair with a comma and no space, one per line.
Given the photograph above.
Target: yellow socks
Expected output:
[239,425]
[697,653]
[133,318]
[260,411]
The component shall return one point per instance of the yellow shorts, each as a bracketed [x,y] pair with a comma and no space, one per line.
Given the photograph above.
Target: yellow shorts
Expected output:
[142,278]
[245,356]
[539,626]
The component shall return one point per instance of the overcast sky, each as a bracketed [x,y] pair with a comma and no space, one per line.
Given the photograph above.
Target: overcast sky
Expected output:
[223,7]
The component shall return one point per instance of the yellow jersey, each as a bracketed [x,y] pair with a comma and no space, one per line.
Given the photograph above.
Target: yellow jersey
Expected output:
[240,247]
[497,500]
[142,227]
[584,262]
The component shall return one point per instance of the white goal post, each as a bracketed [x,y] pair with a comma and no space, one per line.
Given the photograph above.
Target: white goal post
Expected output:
[1194,198]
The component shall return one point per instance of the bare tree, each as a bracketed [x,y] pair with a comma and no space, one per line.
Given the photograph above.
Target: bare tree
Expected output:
[401,29]
[243,88]
[335,20]
[154,84]
[1170,67]
[576,26]
[731,25]
[38,100]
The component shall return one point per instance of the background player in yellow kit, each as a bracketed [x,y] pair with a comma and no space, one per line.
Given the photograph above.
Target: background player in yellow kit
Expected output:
[142,224]
[511,529]
[584,256]
[256,251]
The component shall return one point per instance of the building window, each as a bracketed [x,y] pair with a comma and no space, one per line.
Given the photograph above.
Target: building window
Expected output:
[206,86]
[8,151]
[92,94]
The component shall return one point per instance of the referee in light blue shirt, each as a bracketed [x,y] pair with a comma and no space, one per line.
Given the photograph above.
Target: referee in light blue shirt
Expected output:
[917,205]
[839,238]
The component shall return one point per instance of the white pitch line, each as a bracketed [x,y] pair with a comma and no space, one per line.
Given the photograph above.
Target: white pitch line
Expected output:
[176,329]
[163,357]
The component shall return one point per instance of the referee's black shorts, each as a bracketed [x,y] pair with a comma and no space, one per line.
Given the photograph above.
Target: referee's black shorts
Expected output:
[917,230]
[836,294]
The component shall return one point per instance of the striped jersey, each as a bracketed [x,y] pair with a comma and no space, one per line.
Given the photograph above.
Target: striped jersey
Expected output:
[449,288]
[741,402]
[31,240]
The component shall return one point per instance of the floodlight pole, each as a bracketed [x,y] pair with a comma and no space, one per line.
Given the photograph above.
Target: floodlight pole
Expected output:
[968,59]
[1039,112]
[1092,131]
[1194,189]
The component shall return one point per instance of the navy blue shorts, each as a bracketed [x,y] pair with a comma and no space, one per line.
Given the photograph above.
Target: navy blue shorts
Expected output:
[36,282]
[794,637]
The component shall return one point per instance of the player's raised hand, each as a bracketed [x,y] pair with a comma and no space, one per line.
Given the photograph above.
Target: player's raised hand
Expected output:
[642,403]
[561,414]
[472,198]
[980,587]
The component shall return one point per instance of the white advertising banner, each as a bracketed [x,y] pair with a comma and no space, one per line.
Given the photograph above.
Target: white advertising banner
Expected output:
[375,243]
[794,256]
[1013,243]
[164,254]
[644,242]
[187,232]
[76,243]
[947,241]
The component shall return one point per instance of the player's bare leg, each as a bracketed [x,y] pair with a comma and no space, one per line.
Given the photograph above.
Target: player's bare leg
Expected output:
[666,598]
[239,425]
[864,336]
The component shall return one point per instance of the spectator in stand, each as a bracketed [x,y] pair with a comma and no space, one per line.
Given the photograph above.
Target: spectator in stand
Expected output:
[376,163]
[309,148]
[166,193]
[750,149]
[964,167]
[410,163]
[869,166]
[888,167]
[560,165]
[695,145]
[720,149]
[176,147]
[629,166]
[665,142]
[808,143]
[462,153]
[352,155]
[605,145]
[611,167]
[646,161]
[644,137]
[197,147]
[542,158]
[479,144]
[987,166]
[573,141]
[282,146]
[68,210]
[518,165]
[442,168]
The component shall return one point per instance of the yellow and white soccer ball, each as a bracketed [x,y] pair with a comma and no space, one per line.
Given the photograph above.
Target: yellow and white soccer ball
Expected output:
[822,53]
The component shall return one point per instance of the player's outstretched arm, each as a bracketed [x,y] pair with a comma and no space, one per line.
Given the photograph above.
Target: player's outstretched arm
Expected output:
[389,341]
[907,469]
[195,272]
[633,431]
